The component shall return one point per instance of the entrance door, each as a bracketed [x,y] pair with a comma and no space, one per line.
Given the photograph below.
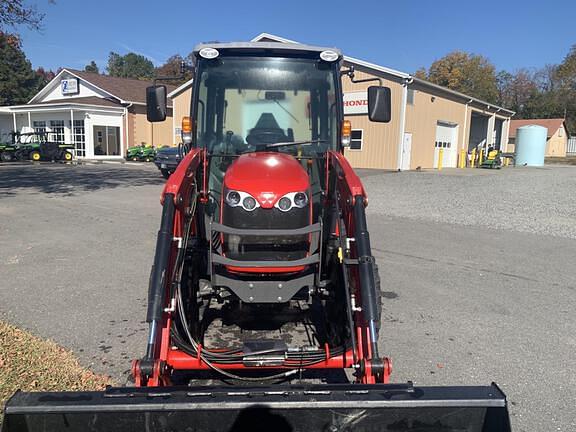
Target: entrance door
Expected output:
[106,141]
[446,139]
[406,151]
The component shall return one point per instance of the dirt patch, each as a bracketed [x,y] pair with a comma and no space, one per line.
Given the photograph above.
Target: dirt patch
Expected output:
[568,160]
[29,363]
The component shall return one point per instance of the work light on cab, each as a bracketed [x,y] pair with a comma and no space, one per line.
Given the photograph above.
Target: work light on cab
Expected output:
[329,55]
[209,53]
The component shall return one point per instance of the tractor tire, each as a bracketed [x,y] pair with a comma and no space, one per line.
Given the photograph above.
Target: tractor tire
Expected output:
[165,173]
[67,156]
[34,156]
[5,157]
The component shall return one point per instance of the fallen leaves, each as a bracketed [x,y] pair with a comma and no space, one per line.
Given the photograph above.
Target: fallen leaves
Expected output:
[29,363]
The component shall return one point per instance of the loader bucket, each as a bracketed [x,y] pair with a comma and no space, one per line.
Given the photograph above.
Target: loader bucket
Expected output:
[326,408]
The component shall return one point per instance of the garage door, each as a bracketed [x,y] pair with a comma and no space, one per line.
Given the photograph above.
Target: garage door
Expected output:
[446,139]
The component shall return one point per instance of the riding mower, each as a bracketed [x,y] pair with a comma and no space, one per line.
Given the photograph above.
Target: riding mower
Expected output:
[264,302]
[7,152]
[143,152]
[493,159]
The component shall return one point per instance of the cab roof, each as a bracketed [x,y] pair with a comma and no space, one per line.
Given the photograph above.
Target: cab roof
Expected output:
[267,47]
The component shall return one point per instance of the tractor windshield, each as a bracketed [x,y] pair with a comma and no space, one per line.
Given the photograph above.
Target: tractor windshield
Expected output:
[248,104]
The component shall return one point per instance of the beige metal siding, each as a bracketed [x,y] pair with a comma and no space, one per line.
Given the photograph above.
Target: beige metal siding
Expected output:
[380,140]
[422,119]
[181,106]
[141,129]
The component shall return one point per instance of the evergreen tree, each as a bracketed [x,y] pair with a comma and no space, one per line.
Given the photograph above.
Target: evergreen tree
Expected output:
[130,65]
[18,81]
[92,67]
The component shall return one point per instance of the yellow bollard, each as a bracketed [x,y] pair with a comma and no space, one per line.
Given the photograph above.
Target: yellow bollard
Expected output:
[480,157]
[440,156]
[473,159]
[462,161]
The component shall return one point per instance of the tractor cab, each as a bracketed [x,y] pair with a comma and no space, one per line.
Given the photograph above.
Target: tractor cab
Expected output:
[266,118]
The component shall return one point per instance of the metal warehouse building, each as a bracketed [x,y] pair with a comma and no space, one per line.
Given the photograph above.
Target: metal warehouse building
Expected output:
[425,118]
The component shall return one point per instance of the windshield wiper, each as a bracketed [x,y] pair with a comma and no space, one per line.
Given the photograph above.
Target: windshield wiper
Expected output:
[292,143]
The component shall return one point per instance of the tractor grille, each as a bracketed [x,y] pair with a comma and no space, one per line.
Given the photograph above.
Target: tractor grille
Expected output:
[265,248]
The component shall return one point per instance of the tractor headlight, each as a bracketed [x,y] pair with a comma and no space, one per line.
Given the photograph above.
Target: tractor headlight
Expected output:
[243,199]
[233,198]
[284,204]
[249,203]
[291,200]
[300,200]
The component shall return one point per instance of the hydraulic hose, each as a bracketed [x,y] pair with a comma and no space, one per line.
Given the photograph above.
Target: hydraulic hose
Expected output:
[366,271]
[156,289]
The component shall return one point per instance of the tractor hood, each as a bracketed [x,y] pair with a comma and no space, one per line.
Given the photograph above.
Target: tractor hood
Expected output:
[267,176]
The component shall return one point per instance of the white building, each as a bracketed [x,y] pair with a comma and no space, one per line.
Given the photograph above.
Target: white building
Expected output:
[100,115]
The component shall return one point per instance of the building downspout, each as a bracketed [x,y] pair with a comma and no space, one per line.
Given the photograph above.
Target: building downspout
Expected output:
[126,130]
[403,120]
[465,139]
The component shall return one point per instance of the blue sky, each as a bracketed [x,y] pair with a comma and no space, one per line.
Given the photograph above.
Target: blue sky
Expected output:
[400,35]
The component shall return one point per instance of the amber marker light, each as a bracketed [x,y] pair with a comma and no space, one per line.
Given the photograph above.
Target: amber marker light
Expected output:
[346,133]
[186,130]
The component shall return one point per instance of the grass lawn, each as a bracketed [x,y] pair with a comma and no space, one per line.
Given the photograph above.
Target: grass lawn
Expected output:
[29,363]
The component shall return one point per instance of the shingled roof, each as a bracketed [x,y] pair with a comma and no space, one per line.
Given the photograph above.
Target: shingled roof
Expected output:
[126,89]
[551,124]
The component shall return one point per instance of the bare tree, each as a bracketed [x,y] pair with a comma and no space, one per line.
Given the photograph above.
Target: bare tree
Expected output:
[17,12]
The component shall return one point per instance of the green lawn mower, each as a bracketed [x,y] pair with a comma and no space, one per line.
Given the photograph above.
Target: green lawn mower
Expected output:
[7,152]
[493,160]
[144,152]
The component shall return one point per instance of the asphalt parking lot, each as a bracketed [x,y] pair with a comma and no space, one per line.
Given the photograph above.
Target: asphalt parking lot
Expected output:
[477,270]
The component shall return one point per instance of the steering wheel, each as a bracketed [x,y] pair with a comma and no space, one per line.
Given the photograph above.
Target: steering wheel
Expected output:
[262,137]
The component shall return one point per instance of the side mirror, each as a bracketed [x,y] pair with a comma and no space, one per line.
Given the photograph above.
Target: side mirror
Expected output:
[156,103]
[379,104]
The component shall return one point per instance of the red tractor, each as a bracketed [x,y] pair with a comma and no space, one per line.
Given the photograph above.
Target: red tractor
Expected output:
[263,277]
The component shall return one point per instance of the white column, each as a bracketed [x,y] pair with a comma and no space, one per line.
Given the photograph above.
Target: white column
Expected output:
[29,120]
[402,123]
[465,139]
[125,138]
[72,130]
[14,120]
[490,132]
[505,135]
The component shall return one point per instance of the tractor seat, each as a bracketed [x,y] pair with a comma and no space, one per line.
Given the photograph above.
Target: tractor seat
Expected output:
[266,131]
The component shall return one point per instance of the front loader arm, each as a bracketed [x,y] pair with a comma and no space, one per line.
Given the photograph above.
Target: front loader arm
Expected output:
[358,262]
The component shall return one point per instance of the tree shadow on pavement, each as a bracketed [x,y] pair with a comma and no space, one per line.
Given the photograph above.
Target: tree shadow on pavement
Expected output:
[73,179]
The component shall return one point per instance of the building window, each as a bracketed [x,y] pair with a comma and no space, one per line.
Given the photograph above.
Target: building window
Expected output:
[561,131]
[57,131]
[39,127]
[356,139]
[410,97]
[79,138]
